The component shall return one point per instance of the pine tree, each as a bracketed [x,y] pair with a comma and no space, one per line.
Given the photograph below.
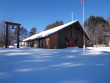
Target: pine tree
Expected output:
[32,31]
[53,25]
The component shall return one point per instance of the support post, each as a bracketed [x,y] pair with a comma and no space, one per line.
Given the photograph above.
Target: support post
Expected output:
[6,38]
[18,36]
[18,32]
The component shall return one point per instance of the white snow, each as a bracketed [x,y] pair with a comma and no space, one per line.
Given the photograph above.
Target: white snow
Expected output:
[48,32]
[70,65]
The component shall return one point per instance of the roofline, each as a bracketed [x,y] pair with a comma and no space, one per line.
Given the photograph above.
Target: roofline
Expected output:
[69,24]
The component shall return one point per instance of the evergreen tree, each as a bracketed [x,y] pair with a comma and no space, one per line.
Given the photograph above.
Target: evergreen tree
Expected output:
[32,31]
[57,23]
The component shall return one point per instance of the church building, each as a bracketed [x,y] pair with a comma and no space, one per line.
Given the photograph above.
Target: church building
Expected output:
[71,34]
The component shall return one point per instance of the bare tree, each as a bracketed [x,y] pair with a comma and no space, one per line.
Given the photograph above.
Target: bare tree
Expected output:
[2,34]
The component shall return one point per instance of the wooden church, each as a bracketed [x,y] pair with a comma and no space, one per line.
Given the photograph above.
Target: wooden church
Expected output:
[71,34]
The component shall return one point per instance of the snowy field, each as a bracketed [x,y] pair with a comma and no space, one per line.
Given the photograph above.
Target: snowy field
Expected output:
[70,65]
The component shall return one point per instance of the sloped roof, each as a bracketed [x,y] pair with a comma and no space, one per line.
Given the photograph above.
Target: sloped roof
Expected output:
[49,32]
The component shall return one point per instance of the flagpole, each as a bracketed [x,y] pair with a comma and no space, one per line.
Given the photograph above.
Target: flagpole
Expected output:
[72,16]
[83,28]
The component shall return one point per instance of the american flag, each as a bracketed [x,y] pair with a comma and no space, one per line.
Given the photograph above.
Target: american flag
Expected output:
[82,1]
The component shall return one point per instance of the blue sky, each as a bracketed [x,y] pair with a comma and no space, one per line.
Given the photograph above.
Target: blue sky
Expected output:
[39,13]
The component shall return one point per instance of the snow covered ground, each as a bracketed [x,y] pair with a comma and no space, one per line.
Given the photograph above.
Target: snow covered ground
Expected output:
[70,65]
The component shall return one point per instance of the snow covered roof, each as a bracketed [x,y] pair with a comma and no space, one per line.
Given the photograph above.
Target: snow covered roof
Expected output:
[49,32]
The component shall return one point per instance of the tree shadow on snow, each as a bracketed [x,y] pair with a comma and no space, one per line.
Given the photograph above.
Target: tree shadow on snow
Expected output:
[54,66]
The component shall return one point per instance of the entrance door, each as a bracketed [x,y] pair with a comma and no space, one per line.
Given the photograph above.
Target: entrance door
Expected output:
[71,43]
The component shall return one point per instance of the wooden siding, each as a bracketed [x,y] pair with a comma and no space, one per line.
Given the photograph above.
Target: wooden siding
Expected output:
[47,42]
[79,40]
[71,32]
[54,41]
[42,43]
[25,44]
[62,41]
